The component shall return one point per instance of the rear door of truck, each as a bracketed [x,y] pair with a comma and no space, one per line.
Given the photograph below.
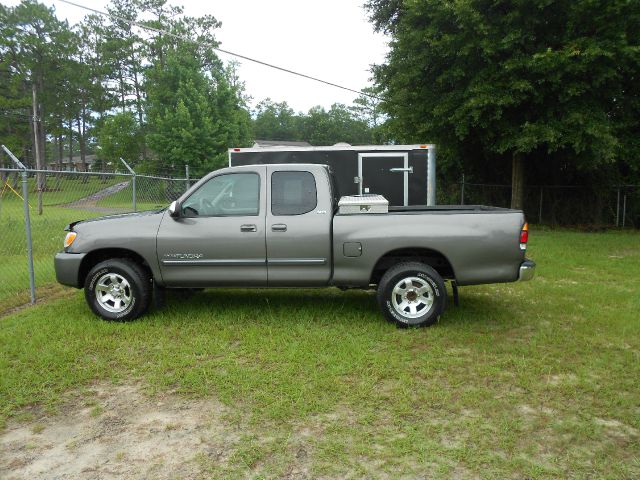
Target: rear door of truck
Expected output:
[298,226]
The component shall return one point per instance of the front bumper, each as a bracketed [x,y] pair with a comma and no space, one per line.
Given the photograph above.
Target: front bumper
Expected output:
[68,268]
[527,270]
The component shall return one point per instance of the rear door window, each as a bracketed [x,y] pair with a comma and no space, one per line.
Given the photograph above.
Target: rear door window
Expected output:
[293,193]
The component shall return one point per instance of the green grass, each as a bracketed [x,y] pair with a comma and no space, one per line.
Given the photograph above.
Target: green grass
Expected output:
[61,190]
[150,194]
[532,380]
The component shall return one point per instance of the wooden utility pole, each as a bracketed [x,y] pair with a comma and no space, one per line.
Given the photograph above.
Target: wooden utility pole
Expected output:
[36,144]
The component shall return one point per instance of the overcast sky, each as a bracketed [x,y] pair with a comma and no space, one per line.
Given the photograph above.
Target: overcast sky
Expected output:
[329,39]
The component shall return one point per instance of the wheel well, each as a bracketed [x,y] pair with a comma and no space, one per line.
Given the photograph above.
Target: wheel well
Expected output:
[433,258]
[96,256]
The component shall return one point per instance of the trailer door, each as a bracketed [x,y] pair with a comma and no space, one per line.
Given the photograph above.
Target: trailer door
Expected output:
[387,174]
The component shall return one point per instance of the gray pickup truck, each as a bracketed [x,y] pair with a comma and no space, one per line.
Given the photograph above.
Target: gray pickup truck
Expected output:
[279,226]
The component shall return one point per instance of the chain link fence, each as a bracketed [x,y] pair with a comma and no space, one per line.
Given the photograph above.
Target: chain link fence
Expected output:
[55,199]
[556,205]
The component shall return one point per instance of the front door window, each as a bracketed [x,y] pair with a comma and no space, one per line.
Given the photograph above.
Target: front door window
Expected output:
[233,194]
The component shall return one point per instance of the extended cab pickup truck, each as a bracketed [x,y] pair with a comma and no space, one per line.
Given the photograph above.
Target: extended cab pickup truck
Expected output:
[279,226]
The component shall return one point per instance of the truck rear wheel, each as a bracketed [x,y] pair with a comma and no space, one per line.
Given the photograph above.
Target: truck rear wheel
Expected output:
[118,289]
[412,294]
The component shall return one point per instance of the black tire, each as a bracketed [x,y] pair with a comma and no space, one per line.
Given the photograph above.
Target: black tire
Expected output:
[416,313]
[137,289]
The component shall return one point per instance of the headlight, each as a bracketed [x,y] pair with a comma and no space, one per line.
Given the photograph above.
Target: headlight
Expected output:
[68,240]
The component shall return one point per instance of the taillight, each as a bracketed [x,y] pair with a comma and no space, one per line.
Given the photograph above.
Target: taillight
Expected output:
[524,236]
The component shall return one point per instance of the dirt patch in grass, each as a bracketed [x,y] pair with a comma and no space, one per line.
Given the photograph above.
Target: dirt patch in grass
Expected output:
[118,432]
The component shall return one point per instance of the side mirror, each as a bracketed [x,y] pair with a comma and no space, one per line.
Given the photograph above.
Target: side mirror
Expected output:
[174,209]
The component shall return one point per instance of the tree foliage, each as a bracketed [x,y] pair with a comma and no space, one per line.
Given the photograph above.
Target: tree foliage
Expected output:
[277,121]
[551,83]
[193,116]
[110,87]
[97,79]
[119,136]
[356,125]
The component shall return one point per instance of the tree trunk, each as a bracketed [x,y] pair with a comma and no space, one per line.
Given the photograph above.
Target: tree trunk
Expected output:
[122,92]
[82,140]
[36,144]
[138,93]
[42,135]
[517,182]
[60,149]
[59,162]
[3,175]
[71,164]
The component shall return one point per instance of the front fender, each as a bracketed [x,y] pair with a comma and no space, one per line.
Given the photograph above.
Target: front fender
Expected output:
[67,266]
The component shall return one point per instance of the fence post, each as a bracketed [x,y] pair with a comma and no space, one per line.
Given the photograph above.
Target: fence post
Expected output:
[133,183]
[624,208]
[462,191]
[186,173]
[540,209]
[27,222]
[618,209]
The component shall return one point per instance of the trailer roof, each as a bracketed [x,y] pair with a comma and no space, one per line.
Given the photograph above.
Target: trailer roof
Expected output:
[360,148]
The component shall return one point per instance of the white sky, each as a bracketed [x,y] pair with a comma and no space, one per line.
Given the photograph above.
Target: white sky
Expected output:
[329,39]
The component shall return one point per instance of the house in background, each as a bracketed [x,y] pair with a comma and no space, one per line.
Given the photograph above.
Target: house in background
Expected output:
[75,165]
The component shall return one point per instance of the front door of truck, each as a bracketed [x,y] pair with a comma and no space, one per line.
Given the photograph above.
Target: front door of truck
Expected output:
[298,228]
[387,174]
[219,238]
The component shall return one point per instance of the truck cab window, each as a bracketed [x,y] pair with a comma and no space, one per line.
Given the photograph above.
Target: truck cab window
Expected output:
[233,194]
[293,193]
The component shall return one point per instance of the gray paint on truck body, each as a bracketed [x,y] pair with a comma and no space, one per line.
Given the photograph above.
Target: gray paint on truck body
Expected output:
[481,243]
[481,248]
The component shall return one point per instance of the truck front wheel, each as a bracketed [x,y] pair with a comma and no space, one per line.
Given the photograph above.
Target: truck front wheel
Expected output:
[412,294]
[118,289]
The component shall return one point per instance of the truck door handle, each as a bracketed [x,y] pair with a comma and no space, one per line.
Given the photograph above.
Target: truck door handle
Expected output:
[279,227]
[248,228]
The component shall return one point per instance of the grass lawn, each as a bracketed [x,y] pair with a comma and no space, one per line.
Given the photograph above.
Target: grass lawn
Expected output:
[61,188]
[532,380]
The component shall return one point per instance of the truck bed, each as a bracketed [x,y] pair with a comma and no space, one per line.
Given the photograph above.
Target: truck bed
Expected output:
[482,244]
